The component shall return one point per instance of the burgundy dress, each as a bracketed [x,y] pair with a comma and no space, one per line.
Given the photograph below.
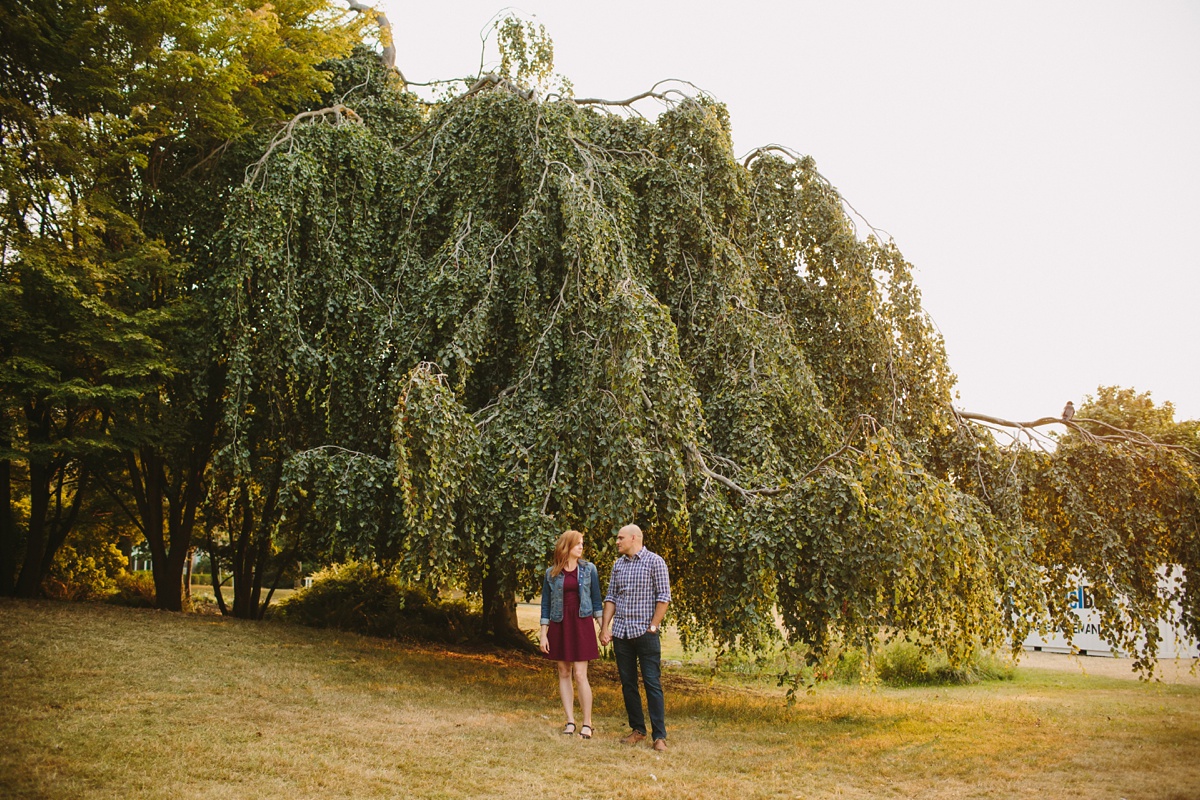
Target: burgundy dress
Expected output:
[573,639]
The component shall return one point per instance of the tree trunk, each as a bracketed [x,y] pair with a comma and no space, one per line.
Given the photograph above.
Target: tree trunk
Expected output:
[168,582]
[500,605]
[29,582]
[147,479]
[187,574]
[8,528]
[262,559]
[241,566]
[252,551]
[56,533]
[168,514]
[214,567]
[262,611]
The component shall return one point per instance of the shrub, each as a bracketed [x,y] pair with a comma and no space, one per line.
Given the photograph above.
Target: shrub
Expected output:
[850,666]
[201,604]
[363,598]
[903,663]
[84,569]
[133,589]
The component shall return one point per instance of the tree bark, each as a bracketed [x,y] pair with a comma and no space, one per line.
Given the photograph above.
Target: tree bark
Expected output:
[240,558]
[214,568]
[29,582]
[187,574]
[148,480]
[252,548]
[500,605]
[8,527]
[168,514]
[56,533]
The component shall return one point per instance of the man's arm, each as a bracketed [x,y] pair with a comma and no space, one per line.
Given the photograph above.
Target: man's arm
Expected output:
[661,581]
[660,611]
[610,608]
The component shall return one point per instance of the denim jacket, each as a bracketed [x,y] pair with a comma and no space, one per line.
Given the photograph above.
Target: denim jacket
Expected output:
[590,604]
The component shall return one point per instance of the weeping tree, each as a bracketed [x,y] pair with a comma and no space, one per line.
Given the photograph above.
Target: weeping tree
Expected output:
[457,328]
[1113,503]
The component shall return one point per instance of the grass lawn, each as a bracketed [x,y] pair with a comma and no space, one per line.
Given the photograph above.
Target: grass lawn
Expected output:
[108,702]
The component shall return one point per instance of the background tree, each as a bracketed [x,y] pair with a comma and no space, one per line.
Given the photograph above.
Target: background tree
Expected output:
[1112,504]
[114,122]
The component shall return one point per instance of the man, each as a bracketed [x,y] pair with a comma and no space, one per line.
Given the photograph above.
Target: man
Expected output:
[638,593]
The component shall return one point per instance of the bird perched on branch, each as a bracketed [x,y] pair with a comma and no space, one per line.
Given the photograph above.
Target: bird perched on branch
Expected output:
[1068,411]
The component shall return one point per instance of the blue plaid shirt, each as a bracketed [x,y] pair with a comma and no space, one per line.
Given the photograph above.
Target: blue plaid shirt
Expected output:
[635,586]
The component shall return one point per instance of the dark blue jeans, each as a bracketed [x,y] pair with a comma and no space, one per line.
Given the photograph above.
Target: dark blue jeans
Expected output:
[645,650]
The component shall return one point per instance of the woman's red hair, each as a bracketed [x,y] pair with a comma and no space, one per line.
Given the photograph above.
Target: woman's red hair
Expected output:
[562,551]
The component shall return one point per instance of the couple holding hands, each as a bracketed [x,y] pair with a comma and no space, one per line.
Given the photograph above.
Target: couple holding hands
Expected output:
[630,615]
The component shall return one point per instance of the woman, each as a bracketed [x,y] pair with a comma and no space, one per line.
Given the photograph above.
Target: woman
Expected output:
[571,607]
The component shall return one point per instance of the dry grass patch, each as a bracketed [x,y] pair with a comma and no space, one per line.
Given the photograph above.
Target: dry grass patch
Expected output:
[108,702]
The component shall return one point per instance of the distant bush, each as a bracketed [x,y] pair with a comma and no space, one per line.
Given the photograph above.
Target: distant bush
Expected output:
[903,663]
[199,603]
[363,598]
[134,589]
[84,569]
[899,663]
[849,666]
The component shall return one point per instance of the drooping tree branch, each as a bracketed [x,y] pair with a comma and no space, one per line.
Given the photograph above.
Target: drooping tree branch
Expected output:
[337,111]
[1108,433]
[772,491]
[794,156]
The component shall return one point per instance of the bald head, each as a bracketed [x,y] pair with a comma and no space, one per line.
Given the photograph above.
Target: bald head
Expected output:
[629,540]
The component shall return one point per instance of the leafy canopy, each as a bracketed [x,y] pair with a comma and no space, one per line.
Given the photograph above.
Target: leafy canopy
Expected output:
[484,320]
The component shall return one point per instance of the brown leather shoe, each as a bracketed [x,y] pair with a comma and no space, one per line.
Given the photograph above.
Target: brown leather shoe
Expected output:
[660,744]
[633,738]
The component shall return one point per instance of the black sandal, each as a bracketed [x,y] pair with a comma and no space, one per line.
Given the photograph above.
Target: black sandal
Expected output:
[569,729]
[587,735]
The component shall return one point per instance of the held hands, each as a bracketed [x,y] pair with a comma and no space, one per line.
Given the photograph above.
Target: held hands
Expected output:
[605,637]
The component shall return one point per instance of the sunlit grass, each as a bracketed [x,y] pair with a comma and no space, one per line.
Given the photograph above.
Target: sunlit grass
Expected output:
[110,702]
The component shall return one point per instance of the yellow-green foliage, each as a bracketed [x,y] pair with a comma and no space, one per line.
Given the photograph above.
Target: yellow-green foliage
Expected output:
[365,599]
[133,589]
[85,570]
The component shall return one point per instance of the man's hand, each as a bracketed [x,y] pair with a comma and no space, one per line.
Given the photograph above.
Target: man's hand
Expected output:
[610,609]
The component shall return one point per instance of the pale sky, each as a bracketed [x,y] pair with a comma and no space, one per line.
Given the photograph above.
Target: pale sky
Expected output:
[1037,162]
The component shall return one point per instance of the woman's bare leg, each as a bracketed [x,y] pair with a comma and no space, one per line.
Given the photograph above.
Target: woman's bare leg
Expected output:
[585,690]
[565,691]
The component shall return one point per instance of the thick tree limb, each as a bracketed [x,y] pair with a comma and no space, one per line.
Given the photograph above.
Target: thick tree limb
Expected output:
[770,148]
[550,486]
[694,453]
[491,80]
[598,101]
[652,92]
[385,35]
[1108,433]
